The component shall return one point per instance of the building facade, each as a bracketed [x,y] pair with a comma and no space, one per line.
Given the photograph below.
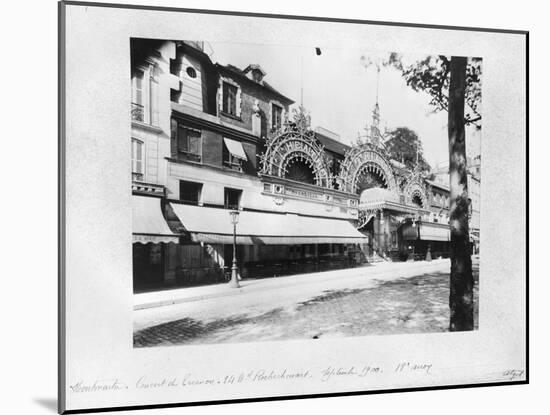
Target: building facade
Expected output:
[208,139]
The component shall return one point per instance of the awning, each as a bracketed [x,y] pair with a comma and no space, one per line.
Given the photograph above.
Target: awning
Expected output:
[434,232]
[426,231]
[235,148]
[211,225]
[389,205]
[148,222]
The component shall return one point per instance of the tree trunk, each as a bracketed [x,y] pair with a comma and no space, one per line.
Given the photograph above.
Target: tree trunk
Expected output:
[461,294]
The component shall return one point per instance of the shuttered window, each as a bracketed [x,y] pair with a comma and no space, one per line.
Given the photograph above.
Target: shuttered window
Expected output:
[137,159]
[186,142]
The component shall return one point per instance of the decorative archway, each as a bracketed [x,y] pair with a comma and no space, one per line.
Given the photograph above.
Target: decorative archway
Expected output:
[299,169]
[415,191]
[364,159]
[296,146]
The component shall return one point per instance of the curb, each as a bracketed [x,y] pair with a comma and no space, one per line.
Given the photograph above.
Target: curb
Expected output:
[248,289]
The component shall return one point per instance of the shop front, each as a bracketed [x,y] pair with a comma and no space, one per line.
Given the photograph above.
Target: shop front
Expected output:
[424,240]
[152,239]
[177,245]
[268,243]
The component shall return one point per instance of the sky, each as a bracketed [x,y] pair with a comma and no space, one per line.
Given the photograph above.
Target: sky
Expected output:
[340,92]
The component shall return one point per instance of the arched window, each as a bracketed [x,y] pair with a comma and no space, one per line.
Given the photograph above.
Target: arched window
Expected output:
[300,171]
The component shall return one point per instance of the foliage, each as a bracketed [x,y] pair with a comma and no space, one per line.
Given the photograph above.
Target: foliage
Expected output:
[432,75]
[402,145]
[301,119]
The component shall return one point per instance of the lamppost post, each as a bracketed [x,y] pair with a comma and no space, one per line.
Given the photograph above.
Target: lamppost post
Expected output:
[234,283]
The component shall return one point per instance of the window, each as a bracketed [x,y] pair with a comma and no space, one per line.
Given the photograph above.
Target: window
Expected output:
[137,160]
[232,198]
[137,96]
[229,160]
[229,99]
[145,95]
[276,116]
[190,192]
[187,143]
[191,72]
[153,112]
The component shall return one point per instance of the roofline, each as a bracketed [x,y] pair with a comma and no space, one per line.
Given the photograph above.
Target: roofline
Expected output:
[242,75]
[347,146]
[437,184]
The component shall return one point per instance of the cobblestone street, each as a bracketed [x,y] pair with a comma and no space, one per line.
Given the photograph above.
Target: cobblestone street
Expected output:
[350,305]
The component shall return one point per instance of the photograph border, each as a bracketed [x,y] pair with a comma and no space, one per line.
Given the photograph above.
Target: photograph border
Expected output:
[62,203]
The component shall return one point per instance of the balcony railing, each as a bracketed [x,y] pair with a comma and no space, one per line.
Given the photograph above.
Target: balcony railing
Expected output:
[138,113]
[189,156]
[147,188]
[233,165]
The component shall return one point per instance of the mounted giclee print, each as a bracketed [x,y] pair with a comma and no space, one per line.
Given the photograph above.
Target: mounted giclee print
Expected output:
[251,209]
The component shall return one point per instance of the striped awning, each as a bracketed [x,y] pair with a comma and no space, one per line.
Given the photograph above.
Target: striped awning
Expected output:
[212,225]
[235,148]
[148,223]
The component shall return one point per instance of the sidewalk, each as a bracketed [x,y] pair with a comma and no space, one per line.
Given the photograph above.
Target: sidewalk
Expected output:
[381,270]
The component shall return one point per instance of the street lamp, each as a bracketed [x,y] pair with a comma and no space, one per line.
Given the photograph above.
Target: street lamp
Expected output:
[234,283]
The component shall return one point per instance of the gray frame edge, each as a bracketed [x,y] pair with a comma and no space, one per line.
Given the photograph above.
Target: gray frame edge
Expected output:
[62,5]
[61,242]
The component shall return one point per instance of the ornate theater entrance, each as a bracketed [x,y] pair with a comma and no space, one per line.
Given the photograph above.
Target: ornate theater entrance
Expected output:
[387,201]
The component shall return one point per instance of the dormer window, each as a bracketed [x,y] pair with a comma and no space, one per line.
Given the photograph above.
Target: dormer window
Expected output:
[255,72]
[230,98]
[257,75]
[276,116]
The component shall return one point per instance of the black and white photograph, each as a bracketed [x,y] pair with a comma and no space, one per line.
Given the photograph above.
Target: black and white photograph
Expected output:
[302,193]
[258,207]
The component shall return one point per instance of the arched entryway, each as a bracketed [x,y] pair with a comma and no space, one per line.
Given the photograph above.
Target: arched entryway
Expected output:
[296,155]
[365,167]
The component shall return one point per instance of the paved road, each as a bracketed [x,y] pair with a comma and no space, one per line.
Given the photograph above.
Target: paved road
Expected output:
[394,298]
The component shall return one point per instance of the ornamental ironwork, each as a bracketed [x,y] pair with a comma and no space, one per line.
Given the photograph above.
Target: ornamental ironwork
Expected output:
[364,217]
[296,144]
[415,187]
[365,159]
